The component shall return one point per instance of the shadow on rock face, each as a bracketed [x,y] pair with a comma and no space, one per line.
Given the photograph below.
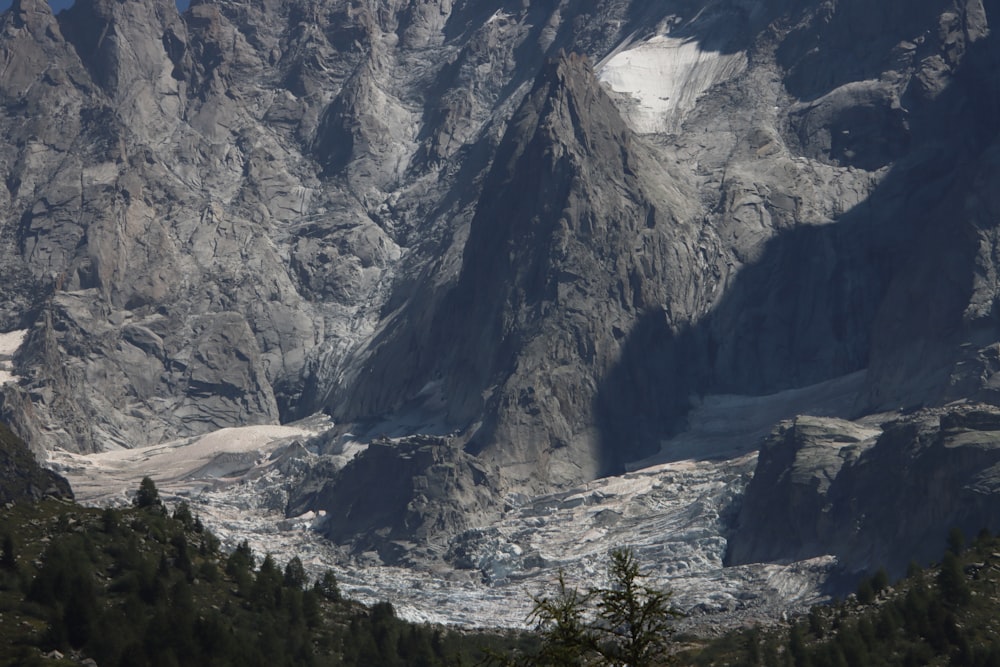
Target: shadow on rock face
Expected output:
[871,499]
[399,494]
[22,479]
[891,285]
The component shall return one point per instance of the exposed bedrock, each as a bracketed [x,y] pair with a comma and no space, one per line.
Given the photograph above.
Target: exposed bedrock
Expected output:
[427,489]
[605,280]
[473,220]
[872,497]
[23,479]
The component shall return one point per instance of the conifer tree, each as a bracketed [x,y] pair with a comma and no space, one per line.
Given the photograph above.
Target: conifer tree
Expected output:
[8,560]
[951,580]
[566,641]
[148,495]
[625,623]
[636,620]
[327,586]
[295,573]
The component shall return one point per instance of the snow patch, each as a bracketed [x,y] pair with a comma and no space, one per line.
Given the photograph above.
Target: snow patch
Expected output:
[182,467]
[729,425]
[664,76]
[9,342]
[498,15]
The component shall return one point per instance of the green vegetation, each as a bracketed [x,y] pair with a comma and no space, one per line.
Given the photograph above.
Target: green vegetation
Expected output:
[144,586]
[148,495]
[140,587]
[947,615]
[624,623]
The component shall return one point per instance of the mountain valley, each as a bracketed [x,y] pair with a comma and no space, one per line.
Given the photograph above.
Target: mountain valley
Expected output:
[452,295]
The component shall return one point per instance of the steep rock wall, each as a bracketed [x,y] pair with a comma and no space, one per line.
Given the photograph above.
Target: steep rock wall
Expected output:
[419,217]
[872,498]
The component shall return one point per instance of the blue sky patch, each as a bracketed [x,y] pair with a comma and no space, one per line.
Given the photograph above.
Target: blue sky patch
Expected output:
[59,5]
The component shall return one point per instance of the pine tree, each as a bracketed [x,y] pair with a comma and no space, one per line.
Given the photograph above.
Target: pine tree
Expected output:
[183,514]
[956,541]
[951,580]
[880,581]
[266,590]
[559,620]
[295,573]
[241,560]
[327,586]
[110,520]
[626,623]
[148,495]
[865,593]
[797,647]
[636,620]
[817,622]
[8,560]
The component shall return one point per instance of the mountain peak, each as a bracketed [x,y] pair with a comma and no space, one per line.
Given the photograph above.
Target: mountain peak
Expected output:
[549,279]
[33,14]
[574,107]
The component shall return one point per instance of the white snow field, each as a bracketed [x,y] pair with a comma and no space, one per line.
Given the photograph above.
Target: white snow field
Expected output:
[664,76]
[726,425]
[674,514]
[9,342]
[186,467]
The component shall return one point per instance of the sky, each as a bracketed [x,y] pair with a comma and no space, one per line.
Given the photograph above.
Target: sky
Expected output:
[59,5]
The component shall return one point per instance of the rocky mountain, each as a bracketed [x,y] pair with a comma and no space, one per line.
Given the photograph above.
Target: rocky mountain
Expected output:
[550,282]
[535,231]
[883,497]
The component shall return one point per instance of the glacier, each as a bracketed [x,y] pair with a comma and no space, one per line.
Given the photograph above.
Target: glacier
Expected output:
[675,513]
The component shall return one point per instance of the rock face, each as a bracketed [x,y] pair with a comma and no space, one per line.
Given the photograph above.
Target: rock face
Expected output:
[22,479]
[427,490]
[872,498]
[548,285]
[537,228]
[604,280]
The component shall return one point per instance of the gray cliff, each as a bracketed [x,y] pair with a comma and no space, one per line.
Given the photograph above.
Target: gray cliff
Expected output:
[874,498]
[465,220]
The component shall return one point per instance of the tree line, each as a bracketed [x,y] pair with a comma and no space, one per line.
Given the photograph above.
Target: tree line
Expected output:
[144,586]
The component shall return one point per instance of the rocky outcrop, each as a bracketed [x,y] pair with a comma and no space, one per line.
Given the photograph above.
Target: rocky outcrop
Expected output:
[548,282]
[872,498]
[22,479]
[788,511]
[427,489]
